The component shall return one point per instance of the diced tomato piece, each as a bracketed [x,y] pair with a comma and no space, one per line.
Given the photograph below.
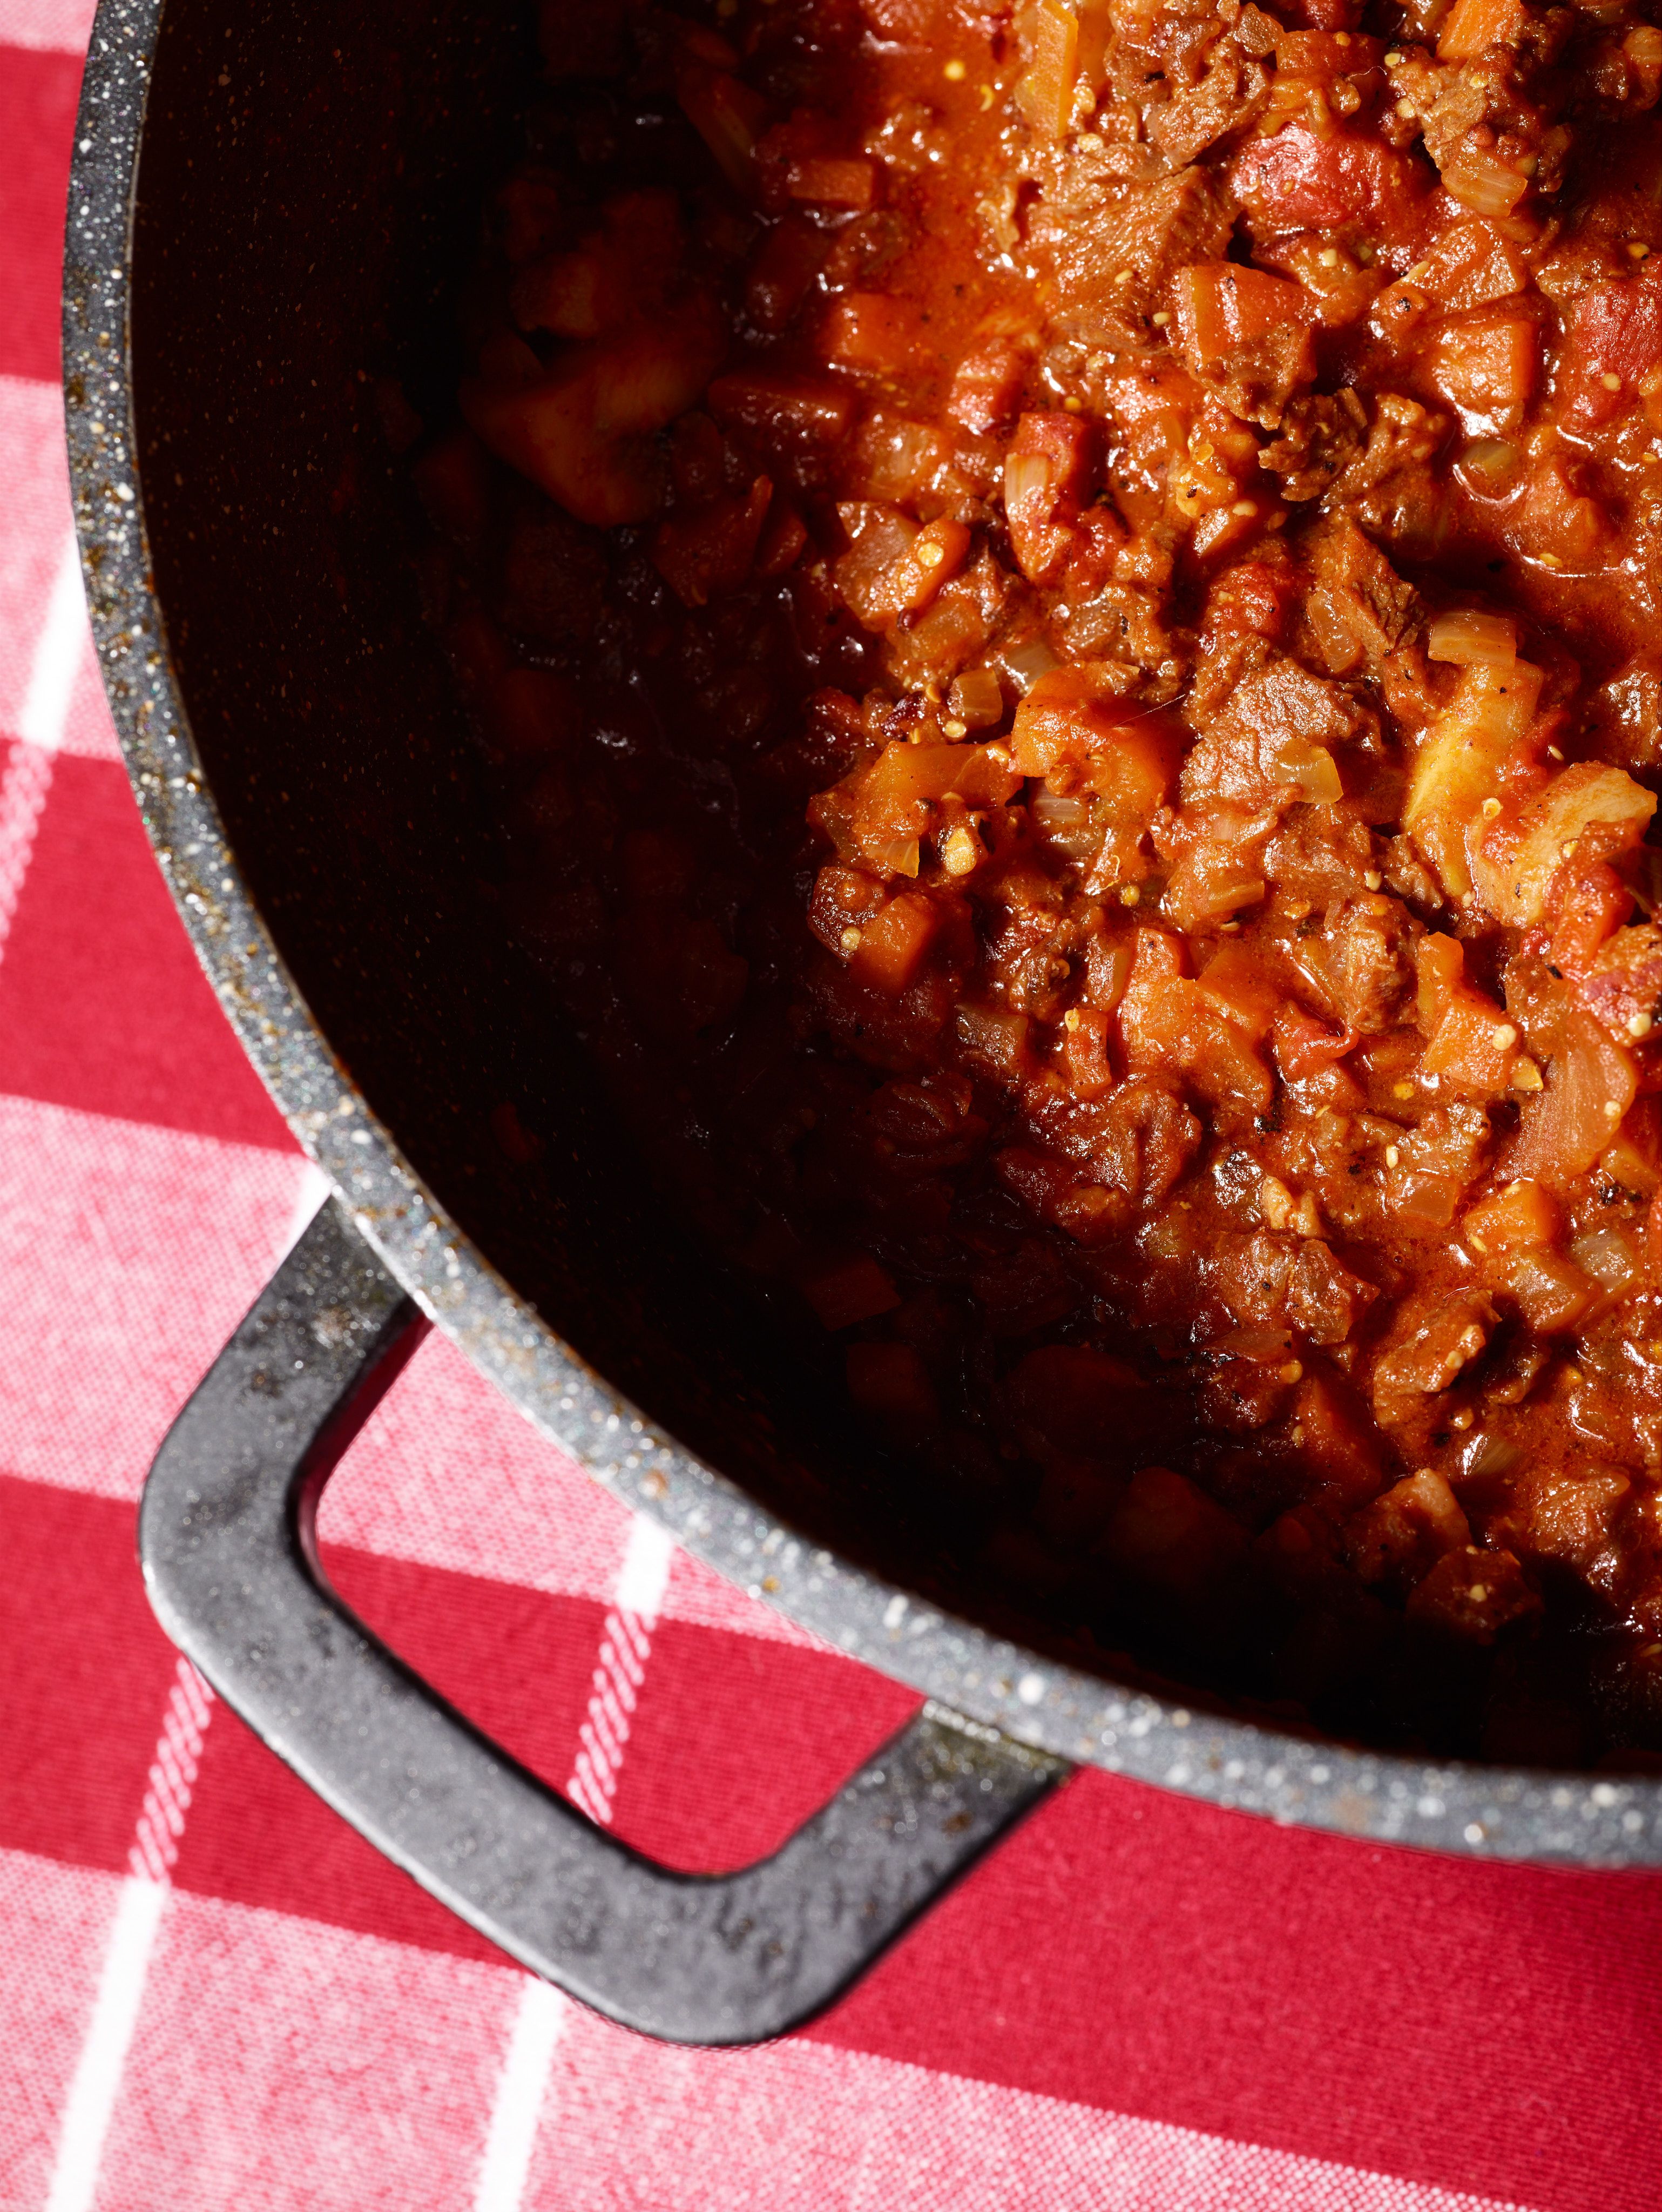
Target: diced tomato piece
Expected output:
[1615,333]
[1299,181]
[1304,1046]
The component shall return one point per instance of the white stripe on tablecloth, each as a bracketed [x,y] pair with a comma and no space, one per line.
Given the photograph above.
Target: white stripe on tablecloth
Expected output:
[54,26]
[56,658]
[41,725]
[98,2071]
[97,2077]
[538,2020]
[626,1644]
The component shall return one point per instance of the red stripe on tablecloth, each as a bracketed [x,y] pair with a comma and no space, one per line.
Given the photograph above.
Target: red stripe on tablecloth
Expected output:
[85,1671]
[37,95]
[102,1005]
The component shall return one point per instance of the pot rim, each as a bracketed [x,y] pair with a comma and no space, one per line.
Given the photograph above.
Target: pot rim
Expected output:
[1237,1765]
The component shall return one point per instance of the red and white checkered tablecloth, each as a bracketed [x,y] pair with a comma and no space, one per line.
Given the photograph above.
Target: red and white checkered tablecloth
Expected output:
[214,1998]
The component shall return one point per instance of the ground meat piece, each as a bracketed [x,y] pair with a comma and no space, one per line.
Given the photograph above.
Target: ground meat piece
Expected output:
[1224,101]
[1268,1277]
[1089,227]
[1431,1339]
[1361,960]
[1319,436]
[1263,738]
[1623,985]
[1359,606]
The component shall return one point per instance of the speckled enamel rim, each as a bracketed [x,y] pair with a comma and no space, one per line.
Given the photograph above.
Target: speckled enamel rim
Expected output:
[1482,1811]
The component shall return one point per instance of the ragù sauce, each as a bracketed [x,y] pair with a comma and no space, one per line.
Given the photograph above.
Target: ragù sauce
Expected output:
[1062,605]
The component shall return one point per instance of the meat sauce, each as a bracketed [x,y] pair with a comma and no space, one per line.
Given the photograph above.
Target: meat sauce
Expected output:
[1062,604]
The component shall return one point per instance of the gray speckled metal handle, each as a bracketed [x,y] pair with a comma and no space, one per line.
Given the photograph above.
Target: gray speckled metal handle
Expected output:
[228,1544]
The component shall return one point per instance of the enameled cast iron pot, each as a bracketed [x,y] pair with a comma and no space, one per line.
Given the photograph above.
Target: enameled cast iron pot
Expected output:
[268,206]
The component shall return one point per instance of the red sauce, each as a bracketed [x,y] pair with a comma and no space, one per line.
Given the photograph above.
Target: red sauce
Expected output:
[1063,606]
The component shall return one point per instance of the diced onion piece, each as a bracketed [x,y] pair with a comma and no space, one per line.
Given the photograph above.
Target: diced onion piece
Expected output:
[977,698]
[1609,1258]
[1590,1085]
[1486,186]
[1070,825]
[1455,767]
[1514,884]
[1554,1293]
[1472,639]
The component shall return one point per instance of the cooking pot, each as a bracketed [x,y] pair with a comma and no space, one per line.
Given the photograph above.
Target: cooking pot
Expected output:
[268,210]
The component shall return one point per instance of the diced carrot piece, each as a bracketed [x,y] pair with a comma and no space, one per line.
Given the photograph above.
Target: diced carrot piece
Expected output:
[788,410]
[1074,714]
[893,946]
[851,1291]
[1521,1215]
[1474,1049]
[934,556]
[1239,985]
[981,775]
[1085,1047]
[1045,95]
[873,330]
[1220,305]
[1441,962]
[1485,365]
[1473,25]
[843,184]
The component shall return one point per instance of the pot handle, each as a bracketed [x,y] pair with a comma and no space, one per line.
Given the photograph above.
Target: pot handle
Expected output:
[227,1538]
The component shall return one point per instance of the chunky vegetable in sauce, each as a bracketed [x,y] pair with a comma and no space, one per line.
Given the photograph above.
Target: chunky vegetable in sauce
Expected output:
[1064,602]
